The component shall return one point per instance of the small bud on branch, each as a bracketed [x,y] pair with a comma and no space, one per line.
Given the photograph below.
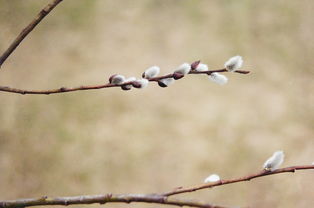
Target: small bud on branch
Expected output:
[128,86]
[212,178]
[201,67]
[151,72]
[141,83]
[116,79]
[183,69]
[218,78]
[177,75]
[195,64]
[165,82]
[234,63]
[274,161]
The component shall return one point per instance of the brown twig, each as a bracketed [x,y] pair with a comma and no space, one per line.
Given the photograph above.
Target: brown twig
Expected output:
[41,15]
[93,87]
[237,180]
[102,199]
[163,198]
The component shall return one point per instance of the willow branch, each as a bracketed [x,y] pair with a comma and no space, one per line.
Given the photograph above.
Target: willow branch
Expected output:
[161,198]
[262,173]
[101,86]
[102,199]
[41,15]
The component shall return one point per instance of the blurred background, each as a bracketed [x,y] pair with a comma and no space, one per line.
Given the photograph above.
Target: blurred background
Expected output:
[156,139]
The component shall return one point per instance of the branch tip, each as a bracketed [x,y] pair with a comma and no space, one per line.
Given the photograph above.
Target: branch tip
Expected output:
[42,14]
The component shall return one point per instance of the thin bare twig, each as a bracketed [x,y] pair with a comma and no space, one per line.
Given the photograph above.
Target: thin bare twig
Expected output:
[41,15]
[101,86]
[102,199]
[237,180]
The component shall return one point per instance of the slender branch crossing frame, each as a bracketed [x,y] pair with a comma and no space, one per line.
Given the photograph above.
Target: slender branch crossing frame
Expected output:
[157,198]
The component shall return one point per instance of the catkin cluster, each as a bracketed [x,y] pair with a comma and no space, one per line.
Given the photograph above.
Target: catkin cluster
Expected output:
[151,74]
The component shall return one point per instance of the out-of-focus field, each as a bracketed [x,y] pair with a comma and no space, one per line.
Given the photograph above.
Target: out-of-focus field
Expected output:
[152,140]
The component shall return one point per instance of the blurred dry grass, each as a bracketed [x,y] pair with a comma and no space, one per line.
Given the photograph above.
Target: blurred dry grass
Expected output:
[155,139]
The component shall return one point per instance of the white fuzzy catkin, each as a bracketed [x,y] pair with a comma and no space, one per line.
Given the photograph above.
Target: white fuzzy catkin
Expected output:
[130,79]
[143,83]
[234,63]
[183,69]
[212,178]
[151,72]
[167,81]
[274,161]
[218,78]
[117,79]
[201,67]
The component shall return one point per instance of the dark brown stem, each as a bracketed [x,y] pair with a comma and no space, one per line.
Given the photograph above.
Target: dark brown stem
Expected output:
[102,199]
[93,87]
[237,180]
[41,15]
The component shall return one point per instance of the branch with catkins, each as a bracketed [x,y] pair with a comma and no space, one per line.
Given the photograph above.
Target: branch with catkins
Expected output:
[159,198]
[270,167]
[150,75]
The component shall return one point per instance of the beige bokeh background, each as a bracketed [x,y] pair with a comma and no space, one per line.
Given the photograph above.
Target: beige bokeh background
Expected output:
[152,140]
